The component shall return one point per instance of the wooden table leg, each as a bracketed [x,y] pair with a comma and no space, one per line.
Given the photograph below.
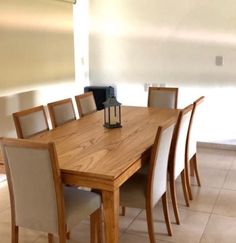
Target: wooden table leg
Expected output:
[111,215]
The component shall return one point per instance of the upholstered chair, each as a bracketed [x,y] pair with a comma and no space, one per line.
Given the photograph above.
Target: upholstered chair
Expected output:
[177,158]
[191,143]
[85,104]
[38,199]
[30,122]
[163,97]
[160,97]
[144,190]
[61,112]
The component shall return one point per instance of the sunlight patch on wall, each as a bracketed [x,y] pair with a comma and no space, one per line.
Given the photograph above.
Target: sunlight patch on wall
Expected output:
[37,44]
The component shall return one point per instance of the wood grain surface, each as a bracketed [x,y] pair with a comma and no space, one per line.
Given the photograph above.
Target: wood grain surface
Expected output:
[85,147]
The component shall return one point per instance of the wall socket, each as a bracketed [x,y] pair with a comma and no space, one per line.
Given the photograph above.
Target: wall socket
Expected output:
[147,85]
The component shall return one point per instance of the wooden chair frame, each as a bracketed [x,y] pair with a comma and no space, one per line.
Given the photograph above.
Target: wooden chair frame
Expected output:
[62,232]
[149,187]
[18,114]
[52,113]
[192,162]
[167,89]
[81,96]
[171,167]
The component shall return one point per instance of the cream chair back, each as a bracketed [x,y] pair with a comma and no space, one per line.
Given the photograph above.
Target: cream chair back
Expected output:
[159,162]
[61,112]
[194,128]
[161,97]
[180,147]
[30,122]
[31,172]
[86,103]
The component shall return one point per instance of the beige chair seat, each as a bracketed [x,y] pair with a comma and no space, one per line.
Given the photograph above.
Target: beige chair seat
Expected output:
[133,191]
[76,199]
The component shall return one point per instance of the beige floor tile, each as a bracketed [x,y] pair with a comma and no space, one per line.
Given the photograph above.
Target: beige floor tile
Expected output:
[204,198]
[218,159]
[233,165]
[125,221]
[129,238]
[4,197]
[80,234]
[220,229]
[191,228]
[226,203]
[211,177]
[5,226]
[230,180]
[25,235]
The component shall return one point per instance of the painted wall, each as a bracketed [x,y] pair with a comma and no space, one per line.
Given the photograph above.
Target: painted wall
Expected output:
[38,47]
[162,42]
[37,43]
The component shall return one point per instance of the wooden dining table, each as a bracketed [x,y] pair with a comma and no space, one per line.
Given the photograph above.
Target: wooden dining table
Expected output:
[92,156]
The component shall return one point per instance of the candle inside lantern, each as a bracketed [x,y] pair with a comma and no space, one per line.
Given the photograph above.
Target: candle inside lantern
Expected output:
[113,119]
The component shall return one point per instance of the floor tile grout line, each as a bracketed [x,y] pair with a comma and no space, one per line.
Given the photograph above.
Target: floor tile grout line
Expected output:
[132,221]
[210,215]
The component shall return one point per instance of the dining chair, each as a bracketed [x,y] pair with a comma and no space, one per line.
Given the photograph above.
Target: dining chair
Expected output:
[144,190]
[163,97]
[176,164]
[30,122]
[61,112]
[191,143]
[85,103]
[38,199]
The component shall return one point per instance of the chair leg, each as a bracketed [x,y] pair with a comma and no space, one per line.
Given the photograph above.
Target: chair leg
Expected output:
[68,235]
[62,234]
[15,234]
[184,186]
[194,161]
[96,226]
[166,213]
[174,199]
[191,167]
[149,215]
[123,211]
[190,195]
[50,238]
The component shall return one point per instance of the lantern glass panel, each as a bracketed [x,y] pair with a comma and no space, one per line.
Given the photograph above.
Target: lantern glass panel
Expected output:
[112,113]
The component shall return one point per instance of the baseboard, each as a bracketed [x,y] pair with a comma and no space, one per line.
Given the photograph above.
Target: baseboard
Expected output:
[216,145]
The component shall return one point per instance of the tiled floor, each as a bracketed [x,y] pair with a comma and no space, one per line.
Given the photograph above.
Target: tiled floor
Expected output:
[211,217]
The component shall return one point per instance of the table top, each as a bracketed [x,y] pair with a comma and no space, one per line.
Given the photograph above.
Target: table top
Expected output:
[85,147]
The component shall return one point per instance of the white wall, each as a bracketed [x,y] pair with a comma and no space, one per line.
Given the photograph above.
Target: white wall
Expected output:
[164,42]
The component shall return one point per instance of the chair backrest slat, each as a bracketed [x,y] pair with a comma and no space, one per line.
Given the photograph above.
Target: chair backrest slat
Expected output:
[85,103]
[61,112]
[157,175]
[162,97]
[30,122]
[193,128]
[178,145]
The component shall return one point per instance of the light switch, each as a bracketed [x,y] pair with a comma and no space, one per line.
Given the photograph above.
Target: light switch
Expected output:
[219,61]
